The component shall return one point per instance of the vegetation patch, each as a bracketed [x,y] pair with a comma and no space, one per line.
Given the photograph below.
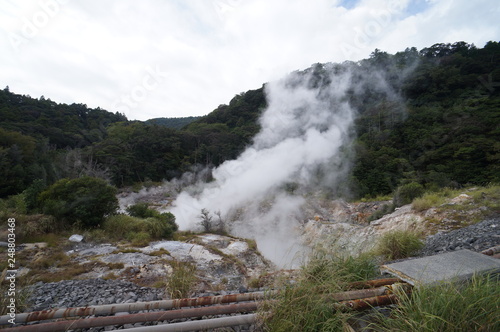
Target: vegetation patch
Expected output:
[84,201]
[159,252]
[399,244]
[182,280]
[138,230]
[448,307]
[459,208]
[304,305]
[126,251]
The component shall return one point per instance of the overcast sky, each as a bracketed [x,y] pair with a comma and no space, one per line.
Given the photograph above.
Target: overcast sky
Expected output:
[173,58]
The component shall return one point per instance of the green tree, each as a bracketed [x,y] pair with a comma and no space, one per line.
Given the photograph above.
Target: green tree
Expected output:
[84,201]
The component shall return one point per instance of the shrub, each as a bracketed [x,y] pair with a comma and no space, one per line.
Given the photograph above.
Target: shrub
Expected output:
[399,244]
[31,194]
[84,201]
[140,231]
[209,225]
[160,225]
[406,193]
[139,239]
[206,220]
[141,210]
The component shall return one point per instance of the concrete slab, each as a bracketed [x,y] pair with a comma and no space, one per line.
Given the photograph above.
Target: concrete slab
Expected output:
[460,264]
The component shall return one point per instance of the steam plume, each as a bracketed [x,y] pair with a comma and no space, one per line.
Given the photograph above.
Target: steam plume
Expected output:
[303,129]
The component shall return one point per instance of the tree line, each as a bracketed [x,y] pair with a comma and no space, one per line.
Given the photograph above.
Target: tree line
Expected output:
[441,131]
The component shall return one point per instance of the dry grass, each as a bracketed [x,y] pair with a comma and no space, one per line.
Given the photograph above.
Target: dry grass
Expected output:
[181,282]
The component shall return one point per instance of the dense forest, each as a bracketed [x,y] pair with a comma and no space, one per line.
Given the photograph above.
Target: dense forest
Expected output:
[443,130]
[174,123]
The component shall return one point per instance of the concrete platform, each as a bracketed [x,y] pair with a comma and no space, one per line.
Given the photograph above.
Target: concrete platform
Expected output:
[461,264]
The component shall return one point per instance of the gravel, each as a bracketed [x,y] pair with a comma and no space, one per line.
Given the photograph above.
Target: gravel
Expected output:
[477,237]
[81,293]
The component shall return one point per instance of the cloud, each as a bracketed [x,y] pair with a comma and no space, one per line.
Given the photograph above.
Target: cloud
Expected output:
[94,52]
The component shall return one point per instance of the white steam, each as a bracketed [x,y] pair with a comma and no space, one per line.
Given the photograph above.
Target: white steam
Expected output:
[303,129]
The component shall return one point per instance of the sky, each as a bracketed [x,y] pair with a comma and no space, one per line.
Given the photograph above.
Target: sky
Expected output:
[175,58]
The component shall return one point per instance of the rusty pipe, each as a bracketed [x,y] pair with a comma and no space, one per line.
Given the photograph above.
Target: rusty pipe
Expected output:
[367,303]
[359,294]
[109,309]
[377,298]
[64,325]
[371,292]
[491,251]
[199,325]
[373,283]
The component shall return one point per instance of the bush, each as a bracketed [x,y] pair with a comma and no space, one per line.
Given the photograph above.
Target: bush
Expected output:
[85,201]
[160,225]
[406,193]
[399,244]
[141,210]
[31,194]
[140,231]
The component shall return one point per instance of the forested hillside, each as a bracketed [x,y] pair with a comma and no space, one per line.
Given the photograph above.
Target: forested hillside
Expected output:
[174,123]
[440,128]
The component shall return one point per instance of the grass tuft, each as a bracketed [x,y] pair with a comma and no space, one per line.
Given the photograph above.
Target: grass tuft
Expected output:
[180,283]
[447,307]
[428,201]
[399,244]
[304,305]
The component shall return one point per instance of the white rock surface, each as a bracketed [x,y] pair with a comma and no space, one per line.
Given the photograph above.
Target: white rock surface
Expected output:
[76,238]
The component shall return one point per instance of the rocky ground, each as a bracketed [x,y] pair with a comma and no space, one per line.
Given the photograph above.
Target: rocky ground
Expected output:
[225,264]
[477,237]
[81,293]
[74,293]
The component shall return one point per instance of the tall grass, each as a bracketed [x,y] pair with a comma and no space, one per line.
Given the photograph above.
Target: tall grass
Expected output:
[428,201]
[180,283]
[304,305]
[448,307]
[399,244]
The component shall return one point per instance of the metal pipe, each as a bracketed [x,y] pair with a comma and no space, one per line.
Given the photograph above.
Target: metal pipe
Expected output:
[377,298]
[199,324]
[64,325]
[371,292]
[491,251]
[108,309]
[373,283]
[359,294]
[172,304]
[367,303]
